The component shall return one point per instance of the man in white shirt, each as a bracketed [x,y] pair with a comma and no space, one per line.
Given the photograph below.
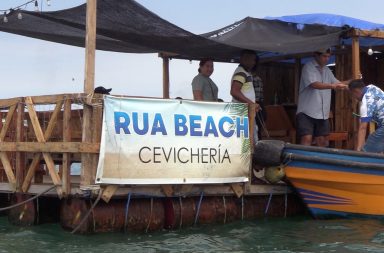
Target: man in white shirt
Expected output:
[316,83]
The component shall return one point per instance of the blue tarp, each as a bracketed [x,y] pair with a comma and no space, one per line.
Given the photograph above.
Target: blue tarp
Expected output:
[331,20]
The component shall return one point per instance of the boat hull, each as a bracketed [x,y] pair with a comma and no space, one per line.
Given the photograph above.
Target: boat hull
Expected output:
[331,190]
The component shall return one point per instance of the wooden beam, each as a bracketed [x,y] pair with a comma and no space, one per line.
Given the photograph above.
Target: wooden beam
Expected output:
[20,157]
[31,172]
[3,156]
[4,103]
[367,33]
[90,47]
[66,165]
[8,170]
[165,77]
[50,147]
[41,138]
[355,75]
[8,121]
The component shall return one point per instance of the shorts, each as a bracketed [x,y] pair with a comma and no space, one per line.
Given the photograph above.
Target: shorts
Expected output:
[375,141]
[309,126]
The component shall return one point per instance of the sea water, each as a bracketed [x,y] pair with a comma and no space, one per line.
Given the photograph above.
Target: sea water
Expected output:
[272,235]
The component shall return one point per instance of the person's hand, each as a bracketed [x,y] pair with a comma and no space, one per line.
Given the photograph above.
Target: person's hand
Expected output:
[257,107]
[340,86]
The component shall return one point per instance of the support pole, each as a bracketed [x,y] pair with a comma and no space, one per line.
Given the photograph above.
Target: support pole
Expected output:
[165,77]
[90,47]
[355,74]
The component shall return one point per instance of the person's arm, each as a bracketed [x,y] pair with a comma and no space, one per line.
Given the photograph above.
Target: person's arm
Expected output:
[324,86]
[198,95]
[361,135]
[239,96]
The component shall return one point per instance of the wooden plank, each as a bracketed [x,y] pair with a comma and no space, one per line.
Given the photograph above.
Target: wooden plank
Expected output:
[50,147]
[8,170]
[237,189]
[108,192]
[4,103]
[52,99]
[167,189]
[8,121]
[66,178]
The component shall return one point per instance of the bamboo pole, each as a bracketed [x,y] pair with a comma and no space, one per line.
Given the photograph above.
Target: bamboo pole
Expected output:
[165,77]
[90,47]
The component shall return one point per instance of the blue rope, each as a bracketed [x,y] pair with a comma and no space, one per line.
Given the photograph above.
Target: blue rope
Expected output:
[285,205]
[269,202]
[126,211]
[198,207]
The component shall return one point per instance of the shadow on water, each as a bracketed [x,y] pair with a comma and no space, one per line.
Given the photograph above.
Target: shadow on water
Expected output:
[299,234]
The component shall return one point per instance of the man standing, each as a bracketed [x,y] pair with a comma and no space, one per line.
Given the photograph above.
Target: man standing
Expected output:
[371,109]
[314,103]
[242,82]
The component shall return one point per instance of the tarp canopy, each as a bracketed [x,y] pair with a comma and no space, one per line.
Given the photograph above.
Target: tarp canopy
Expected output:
[126,26]
[277,36]
[122,26]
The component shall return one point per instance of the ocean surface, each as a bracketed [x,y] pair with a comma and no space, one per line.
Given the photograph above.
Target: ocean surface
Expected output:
[298,234]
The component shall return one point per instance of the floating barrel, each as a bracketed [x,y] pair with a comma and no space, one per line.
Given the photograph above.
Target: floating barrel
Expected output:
[143,215]
[179,212]
[268,152]
[23,215]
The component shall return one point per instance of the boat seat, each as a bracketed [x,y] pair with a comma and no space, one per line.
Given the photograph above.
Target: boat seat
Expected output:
[278,125]
[336,139]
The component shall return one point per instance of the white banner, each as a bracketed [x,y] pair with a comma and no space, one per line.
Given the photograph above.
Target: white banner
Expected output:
[164,141]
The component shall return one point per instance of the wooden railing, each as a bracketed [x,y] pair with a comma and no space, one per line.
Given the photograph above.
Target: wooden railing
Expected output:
[43,132]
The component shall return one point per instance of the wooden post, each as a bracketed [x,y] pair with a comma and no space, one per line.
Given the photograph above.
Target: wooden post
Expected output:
[90,47]
[355,57]
[165,77]
[355,74]
[66,175]
[20,156]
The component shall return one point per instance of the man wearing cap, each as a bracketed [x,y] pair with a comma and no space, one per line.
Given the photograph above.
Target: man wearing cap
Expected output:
[314,103]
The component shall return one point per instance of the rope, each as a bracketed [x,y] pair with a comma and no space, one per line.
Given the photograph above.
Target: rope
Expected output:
[262,123]
[242,207]
[25,201]
[37,210]
[269,202]
[150,217]
[88,213]
[126,212]
[198,207]
[225,210]
[181,212]
[285,204]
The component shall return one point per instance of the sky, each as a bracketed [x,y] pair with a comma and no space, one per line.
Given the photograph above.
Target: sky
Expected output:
[35,67]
